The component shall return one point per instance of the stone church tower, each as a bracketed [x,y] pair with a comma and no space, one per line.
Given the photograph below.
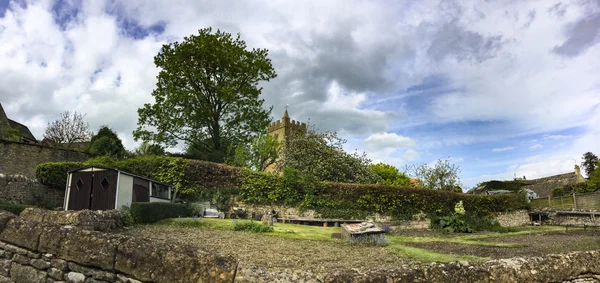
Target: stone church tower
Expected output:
[282,131]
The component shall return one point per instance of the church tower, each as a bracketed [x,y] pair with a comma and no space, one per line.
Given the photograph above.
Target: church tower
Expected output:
[282,131]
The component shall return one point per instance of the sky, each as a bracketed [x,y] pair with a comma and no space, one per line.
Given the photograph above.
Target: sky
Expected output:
[502,88]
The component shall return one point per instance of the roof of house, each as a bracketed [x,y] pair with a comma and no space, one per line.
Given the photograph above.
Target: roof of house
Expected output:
[23,130]
[543,186]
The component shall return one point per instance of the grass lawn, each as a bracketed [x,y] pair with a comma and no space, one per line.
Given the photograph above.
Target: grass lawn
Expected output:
[405,246]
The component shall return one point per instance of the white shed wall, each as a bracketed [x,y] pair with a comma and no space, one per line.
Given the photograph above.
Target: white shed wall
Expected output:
[159,200]
[67,191]
[124,191]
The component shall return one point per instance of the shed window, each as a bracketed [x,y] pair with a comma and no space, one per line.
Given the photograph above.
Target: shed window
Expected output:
[79,184]
[160,191]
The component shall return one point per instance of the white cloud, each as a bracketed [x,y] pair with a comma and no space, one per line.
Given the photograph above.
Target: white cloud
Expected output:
[536,146]
[503,149]
[380,141]
[411,155]
[556,137]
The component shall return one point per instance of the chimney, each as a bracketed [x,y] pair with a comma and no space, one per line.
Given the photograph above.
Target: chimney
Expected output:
[578,175]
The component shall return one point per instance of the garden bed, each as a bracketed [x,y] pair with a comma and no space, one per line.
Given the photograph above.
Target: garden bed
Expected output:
[301,251]
[524,245]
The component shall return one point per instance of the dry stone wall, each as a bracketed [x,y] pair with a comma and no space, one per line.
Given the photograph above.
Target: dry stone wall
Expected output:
[572,267]
[513,218]
[32,251]
[21,158]
[25,190]
[97,220]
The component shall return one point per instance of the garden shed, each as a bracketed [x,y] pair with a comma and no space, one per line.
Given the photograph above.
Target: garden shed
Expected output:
[103,188]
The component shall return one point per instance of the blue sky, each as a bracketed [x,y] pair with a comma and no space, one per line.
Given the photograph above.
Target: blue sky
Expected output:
[503,88]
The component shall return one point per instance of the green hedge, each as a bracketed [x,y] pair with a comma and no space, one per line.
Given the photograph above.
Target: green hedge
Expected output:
[54,174]
[14,208]
[187,176]
[149,212]
[199,179]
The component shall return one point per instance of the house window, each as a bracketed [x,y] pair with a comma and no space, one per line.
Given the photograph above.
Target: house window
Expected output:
[160,191]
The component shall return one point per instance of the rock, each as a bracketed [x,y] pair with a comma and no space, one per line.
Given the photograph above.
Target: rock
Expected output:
[5,267]
[5,280]
[22,233]
[56,274]
[34,214]
[166,262]
[15,249]
[5,217]
[95,273]
[89,248]
[124,279]
[26,274]
[40,264]
[33,255]
[92,280]
[74,277]
[59,264]
[21,259]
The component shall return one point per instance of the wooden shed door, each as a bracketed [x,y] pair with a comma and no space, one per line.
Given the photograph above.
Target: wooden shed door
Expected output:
[79,195]
[141,191]
[104,192]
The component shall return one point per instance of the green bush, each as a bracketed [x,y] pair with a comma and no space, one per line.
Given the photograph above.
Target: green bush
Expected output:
[149,212]
[566,190]
[251,226]
[14,208]
[54,174]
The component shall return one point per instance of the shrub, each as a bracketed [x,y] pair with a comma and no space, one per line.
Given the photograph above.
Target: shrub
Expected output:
[149,212]
[14,208]
[566,190]
[251,226]
[54,174]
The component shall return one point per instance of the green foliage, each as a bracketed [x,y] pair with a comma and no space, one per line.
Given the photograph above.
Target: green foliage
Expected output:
[222,200]
[455,223]
[207,92]
[127,218]
[147,148]
[10,134]
[594,179]
[322,155]
[442,176]
[149,212]
[262,188]
[14,208]
[107,143]
[258,155]
[391,175]
[590,163]
[251,226]
[54,174]
[579,188]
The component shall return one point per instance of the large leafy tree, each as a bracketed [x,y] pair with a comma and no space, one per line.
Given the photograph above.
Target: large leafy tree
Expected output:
[590,161]
[390,174]
[68,129]
[257,155]
[443,175]
[322,156]
[207,94]
[107,143]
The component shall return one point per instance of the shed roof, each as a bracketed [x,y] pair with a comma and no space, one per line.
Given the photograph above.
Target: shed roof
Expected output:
[120,171]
